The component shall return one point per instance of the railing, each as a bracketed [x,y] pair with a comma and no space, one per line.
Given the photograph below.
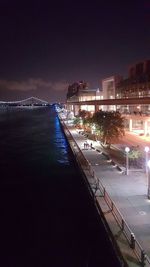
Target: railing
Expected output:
[75,148]
[134,244]
[85,165]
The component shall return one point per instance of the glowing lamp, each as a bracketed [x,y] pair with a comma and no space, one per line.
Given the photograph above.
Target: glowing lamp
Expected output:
[148,163]
[146,149]
[127,149]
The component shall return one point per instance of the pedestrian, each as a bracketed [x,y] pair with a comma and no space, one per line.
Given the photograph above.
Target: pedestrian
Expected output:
[91,146]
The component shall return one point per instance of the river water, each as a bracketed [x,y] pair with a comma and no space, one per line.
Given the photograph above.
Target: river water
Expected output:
[46,214]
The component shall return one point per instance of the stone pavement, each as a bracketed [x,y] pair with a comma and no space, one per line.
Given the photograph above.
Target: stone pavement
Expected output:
[129,193]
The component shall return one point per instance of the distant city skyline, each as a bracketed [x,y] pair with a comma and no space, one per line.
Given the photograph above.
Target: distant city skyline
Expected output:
[44,47]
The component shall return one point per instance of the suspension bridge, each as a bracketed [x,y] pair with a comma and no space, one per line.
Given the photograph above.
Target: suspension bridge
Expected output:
[30,101]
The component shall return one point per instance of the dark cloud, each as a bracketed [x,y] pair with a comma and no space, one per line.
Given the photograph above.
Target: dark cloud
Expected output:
[69,41]
[32,84]
[51,91]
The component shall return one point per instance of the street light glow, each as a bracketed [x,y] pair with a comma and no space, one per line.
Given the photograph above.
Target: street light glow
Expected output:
[148,163]
[127,149]
[146,149]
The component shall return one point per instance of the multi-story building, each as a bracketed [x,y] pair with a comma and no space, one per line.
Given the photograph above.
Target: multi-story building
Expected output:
[109,86]
[109,89]
[80,92]
[138,82]
[116,90]
[137,85]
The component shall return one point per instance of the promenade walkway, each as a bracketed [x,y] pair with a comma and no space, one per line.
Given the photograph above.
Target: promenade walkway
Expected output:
[129,193]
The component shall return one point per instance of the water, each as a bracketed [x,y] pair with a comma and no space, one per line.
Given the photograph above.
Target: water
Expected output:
[47,216]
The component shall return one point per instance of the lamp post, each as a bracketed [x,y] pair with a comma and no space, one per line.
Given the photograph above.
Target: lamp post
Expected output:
[146,158]
[127,149]
[148,180]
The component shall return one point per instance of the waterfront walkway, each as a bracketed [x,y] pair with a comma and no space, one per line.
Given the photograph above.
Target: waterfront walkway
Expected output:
[129,193]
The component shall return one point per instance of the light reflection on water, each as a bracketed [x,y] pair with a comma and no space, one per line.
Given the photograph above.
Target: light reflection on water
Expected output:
[32,137]
[61,144]
[44,204]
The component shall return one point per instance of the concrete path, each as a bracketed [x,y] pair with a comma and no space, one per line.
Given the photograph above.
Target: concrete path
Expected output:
[128,192]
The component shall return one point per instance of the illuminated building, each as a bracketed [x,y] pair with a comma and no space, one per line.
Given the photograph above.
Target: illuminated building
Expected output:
[138,82]
[80,92]
[109,90]
[129,96]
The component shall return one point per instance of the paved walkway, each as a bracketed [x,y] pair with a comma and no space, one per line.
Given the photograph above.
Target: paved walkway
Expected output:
[128,192]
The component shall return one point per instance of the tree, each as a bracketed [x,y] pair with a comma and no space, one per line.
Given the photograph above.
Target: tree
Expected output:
[110,125]
[84,114]
[135,156]
[135,153]
[77,121]
[87,123]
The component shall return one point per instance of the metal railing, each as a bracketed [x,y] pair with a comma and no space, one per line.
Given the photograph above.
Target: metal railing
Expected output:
[134,244]
[85,165]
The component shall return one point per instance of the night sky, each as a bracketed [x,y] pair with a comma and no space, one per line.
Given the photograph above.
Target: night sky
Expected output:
[46,45]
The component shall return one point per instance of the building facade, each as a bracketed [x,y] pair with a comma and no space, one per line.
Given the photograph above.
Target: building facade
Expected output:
[80,92]
[137,85]
[109,86]
[138,82]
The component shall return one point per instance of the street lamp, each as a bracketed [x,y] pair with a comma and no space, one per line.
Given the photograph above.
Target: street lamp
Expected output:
[148,180]
[146,158]
[127,149]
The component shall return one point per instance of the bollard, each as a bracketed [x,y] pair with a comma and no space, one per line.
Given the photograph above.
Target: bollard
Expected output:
[89,168]
[104,192]
[132,245]
[143,258]
[122,225]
